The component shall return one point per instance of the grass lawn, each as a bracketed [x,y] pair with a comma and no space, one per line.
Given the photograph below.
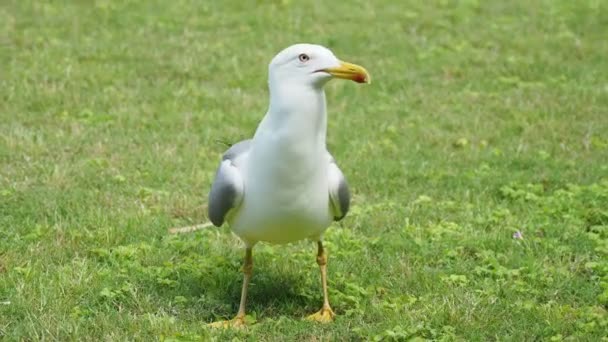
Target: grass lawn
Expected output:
[484,118]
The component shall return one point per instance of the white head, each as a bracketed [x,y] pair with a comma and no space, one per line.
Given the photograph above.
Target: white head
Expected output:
[312,65]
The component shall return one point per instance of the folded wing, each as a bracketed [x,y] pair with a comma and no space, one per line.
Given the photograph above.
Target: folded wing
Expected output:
[339,194]
[227,189]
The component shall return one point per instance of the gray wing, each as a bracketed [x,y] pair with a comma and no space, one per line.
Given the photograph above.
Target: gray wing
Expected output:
[237,150]
[339,194]
[227,189]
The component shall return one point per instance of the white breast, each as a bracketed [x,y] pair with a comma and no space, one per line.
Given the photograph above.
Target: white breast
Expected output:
[286,192]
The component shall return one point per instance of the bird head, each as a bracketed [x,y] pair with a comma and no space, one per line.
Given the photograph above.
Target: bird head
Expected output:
[314,65]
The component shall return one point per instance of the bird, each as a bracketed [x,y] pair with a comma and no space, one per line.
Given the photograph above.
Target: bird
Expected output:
[283,185]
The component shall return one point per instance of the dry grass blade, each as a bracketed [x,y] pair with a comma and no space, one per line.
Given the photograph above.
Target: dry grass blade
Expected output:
[189,229]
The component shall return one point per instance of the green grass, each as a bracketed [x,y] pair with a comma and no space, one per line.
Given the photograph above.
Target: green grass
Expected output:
[483,118]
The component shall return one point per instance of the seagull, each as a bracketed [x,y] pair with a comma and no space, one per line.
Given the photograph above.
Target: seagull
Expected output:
[283,185]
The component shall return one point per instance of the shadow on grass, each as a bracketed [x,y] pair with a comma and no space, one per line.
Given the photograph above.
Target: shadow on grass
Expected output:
[213,290]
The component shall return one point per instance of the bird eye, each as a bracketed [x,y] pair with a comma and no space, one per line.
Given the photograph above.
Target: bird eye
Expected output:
[303,57]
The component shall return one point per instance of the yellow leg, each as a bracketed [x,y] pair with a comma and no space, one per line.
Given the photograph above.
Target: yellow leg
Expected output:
[239,320]
[325,315]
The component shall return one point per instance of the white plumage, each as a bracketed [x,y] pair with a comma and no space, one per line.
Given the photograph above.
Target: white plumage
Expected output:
[283,185]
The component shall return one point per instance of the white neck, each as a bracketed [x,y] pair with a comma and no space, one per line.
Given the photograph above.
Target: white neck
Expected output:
[289,144]
[297,114]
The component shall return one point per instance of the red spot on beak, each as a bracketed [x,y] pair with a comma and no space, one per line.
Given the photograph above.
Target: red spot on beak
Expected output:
[360,78]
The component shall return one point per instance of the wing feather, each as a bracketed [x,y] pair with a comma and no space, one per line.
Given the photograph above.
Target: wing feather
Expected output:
[339,193]
[227,189]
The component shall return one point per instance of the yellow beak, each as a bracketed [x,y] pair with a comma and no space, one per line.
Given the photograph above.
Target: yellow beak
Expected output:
[351,72]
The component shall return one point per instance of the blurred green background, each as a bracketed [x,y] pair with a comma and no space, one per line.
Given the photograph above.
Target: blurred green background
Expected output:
[484,118]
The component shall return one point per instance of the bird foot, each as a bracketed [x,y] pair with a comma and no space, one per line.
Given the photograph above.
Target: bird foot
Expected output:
[325,315]
[235,323]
